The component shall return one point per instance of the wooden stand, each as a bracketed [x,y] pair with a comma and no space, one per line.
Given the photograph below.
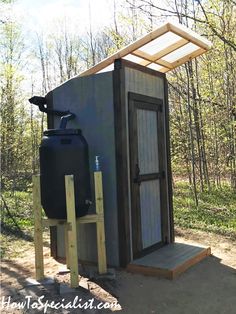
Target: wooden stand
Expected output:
[71,226]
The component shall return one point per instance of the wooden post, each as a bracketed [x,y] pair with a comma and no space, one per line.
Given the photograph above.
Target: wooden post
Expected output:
[38,229]
[72,230]
[102,262]
[66,245]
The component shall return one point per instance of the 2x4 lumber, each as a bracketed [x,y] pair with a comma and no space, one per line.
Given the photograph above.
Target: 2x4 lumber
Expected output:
[66,245]
[91,218]
[173,47]
[148,57]
[50,222]
[38,229]
[184,59]
[180,43]
[188,34]
[128,49]
[102,262]
[72,230]
[188,57]
[179,30]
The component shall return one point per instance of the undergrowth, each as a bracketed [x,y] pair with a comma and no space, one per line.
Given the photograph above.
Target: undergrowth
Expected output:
[216,211]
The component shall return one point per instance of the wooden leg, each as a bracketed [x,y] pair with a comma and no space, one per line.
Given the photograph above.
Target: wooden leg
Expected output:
[38,229]
[72,231]
[102,261]
[66,245]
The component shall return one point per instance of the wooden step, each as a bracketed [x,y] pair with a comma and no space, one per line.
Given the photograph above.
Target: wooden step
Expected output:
[169,261]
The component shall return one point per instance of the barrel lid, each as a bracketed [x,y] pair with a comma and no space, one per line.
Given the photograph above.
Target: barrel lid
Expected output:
[62,132]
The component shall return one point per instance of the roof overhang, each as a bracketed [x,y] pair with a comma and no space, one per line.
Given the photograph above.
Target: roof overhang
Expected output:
[163,49]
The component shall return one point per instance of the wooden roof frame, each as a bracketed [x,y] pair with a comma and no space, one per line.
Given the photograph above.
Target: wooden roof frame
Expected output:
[187,36]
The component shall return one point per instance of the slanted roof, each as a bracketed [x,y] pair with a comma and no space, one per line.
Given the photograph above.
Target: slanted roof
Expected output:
[163,49]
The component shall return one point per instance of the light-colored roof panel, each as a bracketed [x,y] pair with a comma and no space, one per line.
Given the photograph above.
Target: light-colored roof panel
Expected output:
[133,58]
[163,49]
[110,67]
[154,66]
[161,42]
[181,52]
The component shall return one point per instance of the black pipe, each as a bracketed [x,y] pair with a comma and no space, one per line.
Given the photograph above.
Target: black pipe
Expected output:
[65,115]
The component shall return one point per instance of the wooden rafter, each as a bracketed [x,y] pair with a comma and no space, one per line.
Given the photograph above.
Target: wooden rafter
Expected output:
[187,58]
[128,49]
[147,57]
[187,36]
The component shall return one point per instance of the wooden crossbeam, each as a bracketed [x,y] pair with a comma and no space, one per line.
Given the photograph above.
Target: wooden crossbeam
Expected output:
[184,59]
[187,58]
[173,47]
[70,228]
[148,57]
[90,218]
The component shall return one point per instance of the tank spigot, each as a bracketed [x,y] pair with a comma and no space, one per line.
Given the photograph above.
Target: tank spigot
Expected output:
[97,163]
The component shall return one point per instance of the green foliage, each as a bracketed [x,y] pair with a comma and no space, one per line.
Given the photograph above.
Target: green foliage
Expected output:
[209,82]
[209,113]
[216,211]
[20,206]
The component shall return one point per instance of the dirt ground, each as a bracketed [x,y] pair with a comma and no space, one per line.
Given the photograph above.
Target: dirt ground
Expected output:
[206,288]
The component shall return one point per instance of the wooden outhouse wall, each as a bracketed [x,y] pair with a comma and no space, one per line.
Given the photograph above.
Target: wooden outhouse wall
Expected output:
[143,83]
[100,103]
[91,99]
[130,78]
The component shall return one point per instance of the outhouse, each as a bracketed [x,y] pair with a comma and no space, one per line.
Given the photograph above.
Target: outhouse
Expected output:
[121,106]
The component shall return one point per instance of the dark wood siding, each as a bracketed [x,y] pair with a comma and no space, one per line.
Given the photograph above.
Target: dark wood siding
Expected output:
[91,99]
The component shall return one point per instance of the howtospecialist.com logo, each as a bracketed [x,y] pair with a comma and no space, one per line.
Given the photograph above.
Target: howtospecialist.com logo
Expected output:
[43,305]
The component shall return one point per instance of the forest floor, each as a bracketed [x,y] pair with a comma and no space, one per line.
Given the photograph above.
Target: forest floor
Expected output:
[206,288]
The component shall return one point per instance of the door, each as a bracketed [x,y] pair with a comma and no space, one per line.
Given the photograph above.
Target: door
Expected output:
[146,136]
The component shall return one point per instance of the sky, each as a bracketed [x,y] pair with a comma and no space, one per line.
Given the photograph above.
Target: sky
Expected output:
[37,17]
[41,14]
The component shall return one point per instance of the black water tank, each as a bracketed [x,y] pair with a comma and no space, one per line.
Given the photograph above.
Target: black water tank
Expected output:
[64,151]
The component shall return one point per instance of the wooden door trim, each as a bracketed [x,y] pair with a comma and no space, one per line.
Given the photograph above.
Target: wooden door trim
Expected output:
[135,196]
[170,235]
[156,105]
[122,183]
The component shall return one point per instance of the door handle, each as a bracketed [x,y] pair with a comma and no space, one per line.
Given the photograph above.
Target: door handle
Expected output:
[137,178]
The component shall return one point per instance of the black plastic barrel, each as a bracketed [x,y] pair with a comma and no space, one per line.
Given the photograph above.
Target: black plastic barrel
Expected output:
[64,152]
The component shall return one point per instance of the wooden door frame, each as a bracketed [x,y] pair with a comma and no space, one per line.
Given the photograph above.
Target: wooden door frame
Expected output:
[156,105]
[121,141]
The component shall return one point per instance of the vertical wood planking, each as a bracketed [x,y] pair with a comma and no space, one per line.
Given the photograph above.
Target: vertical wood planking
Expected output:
[72,230]
[147,141]
[38,229]
[102,262]
[150,212]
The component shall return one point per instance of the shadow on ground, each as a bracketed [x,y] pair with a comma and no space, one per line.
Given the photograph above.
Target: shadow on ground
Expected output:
[208,287]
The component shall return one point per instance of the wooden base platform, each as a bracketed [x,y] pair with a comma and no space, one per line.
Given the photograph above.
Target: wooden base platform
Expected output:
[169,261]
